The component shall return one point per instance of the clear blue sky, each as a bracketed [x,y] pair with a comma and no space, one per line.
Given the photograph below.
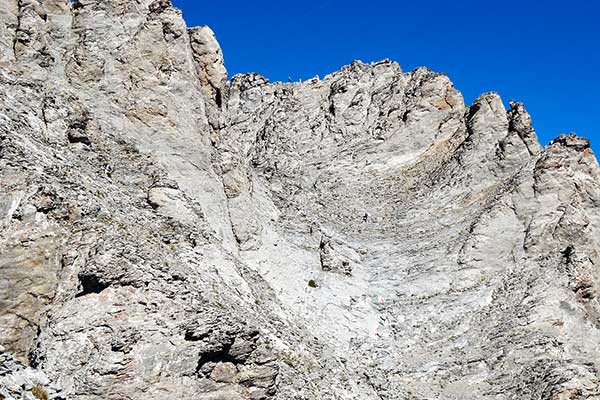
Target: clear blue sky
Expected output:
[543,53]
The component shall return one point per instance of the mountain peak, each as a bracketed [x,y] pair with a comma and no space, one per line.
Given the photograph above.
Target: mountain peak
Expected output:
[168,233]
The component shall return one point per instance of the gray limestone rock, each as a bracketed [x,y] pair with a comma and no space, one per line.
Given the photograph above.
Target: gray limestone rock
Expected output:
[167,233]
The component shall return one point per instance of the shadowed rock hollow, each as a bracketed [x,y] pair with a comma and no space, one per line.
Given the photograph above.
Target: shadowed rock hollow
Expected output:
[167,233]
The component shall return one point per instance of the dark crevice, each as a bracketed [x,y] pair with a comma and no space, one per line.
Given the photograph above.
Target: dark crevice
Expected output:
[77,137]
[159,6]
[567,253]
[90,284]
[80,124]
[214,357]
[76,4]
[219,98]
[405,116]
[77,130]
[44,117]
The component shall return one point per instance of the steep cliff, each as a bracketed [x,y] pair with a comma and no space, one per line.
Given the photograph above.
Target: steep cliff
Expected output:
[167,233]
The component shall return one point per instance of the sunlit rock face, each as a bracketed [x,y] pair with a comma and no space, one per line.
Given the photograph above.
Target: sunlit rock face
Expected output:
[167,232]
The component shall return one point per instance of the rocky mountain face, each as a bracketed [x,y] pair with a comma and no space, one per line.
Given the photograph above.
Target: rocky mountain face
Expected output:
[167,233]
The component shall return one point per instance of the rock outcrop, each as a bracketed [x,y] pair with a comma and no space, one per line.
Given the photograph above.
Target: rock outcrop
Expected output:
[168,233]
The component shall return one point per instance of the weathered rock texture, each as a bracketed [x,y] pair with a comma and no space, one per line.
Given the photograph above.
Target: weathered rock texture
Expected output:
[168,234]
